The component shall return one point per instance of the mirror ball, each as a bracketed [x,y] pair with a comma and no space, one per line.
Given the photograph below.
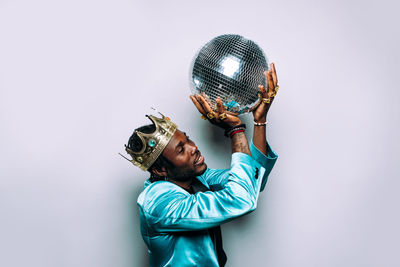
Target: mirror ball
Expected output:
[230,67]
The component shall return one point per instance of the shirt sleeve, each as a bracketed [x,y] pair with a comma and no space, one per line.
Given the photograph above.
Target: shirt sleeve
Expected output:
[215,176]
[266,161]
[220,176]
[168,208]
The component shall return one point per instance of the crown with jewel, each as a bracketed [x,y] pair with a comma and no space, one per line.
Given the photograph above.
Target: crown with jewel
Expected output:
[153,144]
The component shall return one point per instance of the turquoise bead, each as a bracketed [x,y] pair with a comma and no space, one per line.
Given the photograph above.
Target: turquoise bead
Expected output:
[152,143]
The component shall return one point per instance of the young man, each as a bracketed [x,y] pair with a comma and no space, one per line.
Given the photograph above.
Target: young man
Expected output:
[184,203]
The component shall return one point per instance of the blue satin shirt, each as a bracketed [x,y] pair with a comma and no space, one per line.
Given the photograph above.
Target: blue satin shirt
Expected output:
[174,222]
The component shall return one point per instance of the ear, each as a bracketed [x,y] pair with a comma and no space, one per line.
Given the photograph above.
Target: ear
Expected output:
[162,172]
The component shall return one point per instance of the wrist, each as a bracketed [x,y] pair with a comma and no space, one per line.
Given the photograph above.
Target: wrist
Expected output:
[230,132]
[240,144]
[260,123]
[235,124]
[262,119]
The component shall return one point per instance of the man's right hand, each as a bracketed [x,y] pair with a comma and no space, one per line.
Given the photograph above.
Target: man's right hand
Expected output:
[218,118]
[238,141]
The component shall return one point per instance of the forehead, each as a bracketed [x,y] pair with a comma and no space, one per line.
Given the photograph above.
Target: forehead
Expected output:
[178,136]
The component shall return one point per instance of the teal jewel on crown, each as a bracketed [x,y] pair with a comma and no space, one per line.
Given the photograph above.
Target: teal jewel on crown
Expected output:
[152,142]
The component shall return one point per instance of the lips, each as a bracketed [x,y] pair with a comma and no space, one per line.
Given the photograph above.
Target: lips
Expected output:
[199,160]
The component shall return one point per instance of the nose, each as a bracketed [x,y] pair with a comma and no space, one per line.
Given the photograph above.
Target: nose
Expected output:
[193,149]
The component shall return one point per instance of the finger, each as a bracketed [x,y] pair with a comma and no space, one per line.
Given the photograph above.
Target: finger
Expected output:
[220,107]
[271,87]
[209,102]
[197,104]
[208,112]
[204,104]
[263,95]
[197,97]
[274,75]
[262,91]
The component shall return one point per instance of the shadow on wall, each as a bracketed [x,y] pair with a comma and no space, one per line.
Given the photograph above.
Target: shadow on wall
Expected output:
[221,145]
[138,247]
[217,142]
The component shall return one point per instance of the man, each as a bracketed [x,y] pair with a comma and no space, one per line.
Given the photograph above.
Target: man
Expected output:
[184,202]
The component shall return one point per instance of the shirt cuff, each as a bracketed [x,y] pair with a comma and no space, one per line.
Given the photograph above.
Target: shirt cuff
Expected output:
[259,156]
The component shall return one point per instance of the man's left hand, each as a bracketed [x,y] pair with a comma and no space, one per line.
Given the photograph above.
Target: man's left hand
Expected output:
[266,97]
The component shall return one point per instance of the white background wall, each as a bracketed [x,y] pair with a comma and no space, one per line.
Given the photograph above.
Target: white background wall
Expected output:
[76,77]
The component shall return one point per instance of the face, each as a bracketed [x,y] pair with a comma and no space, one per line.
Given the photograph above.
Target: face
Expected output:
[186,159]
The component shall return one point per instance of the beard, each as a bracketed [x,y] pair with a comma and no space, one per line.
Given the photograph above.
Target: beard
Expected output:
[184,175]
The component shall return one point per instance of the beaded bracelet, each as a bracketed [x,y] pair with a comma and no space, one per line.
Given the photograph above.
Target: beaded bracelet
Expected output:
[235,132]
[260,123]
[229,131]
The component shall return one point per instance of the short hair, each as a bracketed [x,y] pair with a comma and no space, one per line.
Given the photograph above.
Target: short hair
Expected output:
[135,144]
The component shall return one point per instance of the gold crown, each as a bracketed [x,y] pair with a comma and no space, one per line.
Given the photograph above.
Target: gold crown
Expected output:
[153,144]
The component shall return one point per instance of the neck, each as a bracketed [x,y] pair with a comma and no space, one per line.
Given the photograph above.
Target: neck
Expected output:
[184,184]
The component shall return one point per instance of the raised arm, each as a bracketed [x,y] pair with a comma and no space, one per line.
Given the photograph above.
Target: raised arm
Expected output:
[260,113]
[225,121]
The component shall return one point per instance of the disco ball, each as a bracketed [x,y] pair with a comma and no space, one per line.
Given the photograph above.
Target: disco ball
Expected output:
[230,67]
